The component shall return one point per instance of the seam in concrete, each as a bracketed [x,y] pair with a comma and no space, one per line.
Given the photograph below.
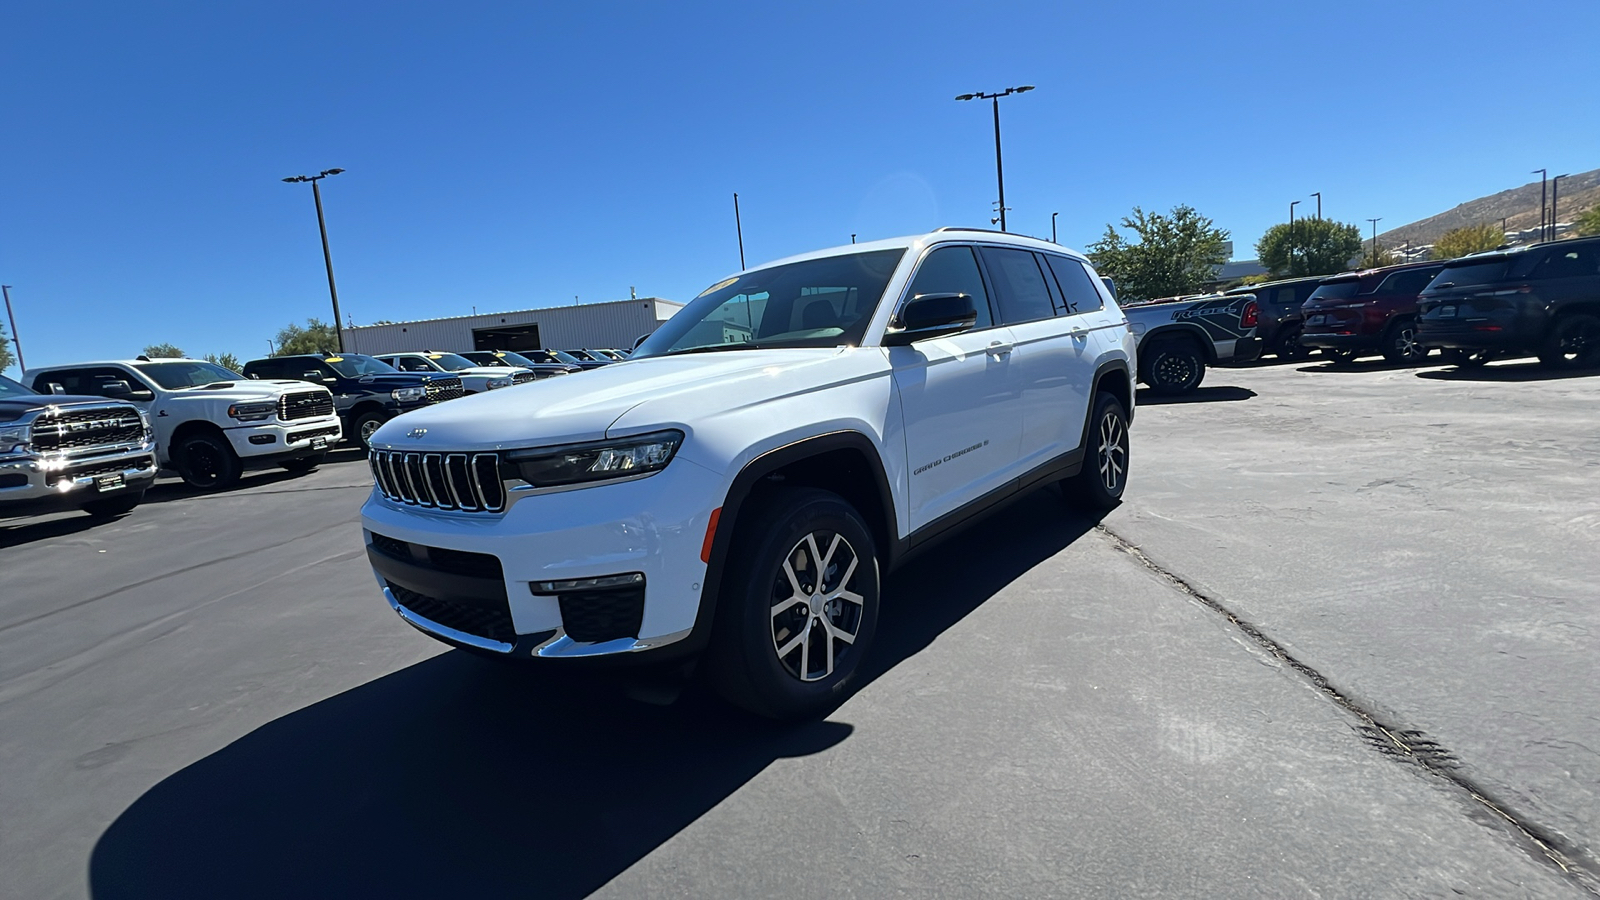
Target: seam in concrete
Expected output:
[1409,746]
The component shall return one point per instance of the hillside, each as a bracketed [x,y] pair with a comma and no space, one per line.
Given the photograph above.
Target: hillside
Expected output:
[1518,206]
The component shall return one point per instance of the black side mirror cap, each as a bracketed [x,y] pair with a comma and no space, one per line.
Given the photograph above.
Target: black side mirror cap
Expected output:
[929,316]
[1110,284]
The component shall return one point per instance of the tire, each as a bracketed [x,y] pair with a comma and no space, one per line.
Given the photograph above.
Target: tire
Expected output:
[1289,347]
[1099,484]
[777,664]
[112,507]
[364,425]
[1400,343]
[1574,343]
[303,464]
[206,461]
[1175,367]
[1466,359]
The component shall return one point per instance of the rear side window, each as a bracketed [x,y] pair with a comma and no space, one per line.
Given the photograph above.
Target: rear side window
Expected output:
[1077,286]
[90,382]
[1471,273]
[1337,290]
[1019,285]
[1409,282]
[953,270]
[1564,262]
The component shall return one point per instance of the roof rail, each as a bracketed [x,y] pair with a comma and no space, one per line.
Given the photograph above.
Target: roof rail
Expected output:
[964,228]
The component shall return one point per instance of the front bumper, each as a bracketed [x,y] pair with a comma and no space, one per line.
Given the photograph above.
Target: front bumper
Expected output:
[270,442]
[37,483]
[483,568]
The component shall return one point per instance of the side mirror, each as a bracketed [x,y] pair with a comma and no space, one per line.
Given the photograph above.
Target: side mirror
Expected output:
[142,395]
[1110,285]
[310,376]
[929,316]
[116,390]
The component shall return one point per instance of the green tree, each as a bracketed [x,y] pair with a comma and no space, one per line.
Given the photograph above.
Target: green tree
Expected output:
[1589,222]
[226,360]
[1310,247]
[1459,242]
[170,351]
[1175,254]
[7,360]
[317,337]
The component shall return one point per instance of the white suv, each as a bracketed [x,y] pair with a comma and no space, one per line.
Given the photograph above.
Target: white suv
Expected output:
[210,423]
[475,379]
[742,482]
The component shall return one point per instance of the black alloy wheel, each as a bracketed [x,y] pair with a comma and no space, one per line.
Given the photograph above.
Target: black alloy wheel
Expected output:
[1098,486]
[1401,345]
[206,461]
[1175,367]
[1574,343]
[799,605]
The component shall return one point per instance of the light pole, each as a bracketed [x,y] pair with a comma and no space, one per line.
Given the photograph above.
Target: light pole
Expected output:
[1555,192]
[1542,207]
[1292,205]
[1318,195]
[1375,240]
[999,172]
[739,228]
[15,340]
[327,258]
[1053,228]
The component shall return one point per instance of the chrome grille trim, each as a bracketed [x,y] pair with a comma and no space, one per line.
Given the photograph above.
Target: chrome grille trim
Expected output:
[458,482]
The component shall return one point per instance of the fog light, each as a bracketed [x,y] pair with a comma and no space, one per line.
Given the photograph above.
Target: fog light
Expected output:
[632,579]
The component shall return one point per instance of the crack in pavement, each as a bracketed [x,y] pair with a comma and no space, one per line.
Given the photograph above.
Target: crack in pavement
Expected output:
[1393,741]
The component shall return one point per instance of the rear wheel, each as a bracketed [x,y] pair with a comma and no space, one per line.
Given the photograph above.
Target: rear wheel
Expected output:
[1175,367]
[1099,484]
[1400,343]
[1465,359]
[206,461]
[112,507]
[799,608]
[1574,343]
[302,464]
[1289,346]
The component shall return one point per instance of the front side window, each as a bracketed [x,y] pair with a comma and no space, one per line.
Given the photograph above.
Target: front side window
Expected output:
[1076,284]
[823,302]
[953,270]
[1019,285]
[413,364]
[176,376]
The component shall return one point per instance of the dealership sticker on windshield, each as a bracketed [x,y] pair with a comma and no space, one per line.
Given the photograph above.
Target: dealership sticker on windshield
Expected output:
[719,285]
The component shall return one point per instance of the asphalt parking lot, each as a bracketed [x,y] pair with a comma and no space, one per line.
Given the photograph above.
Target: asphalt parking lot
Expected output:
[1338,641]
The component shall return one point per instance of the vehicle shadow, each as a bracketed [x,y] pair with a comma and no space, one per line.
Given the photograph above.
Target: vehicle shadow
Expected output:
[26,530]
[1217,394]
[460,777]
[1532,371]
[1368,364]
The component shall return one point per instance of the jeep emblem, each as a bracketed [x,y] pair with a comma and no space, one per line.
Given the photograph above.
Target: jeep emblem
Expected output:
[416,433]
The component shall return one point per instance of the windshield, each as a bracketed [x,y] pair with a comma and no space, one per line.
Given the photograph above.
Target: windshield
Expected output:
[9,389]
[175,376]
[816,303]
[1470,273]
[1336,290]
[498,358]
[451,362]
[354,365]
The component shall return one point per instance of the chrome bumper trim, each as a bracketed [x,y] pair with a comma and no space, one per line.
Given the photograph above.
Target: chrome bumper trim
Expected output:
[563,647]
[428,626]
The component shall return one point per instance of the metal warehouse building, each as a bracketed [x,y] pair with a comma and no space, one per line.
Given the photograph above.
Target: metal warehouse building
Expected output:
[615,324]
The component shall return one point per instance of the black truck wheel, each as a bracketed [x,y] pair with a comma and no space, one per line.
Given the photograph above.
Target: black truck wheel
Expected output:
[207,461]
[1174,366]
[1574,343]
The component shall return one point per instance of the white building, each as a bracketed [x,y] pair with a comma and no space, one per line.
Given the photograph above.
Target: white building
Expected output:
[616,324]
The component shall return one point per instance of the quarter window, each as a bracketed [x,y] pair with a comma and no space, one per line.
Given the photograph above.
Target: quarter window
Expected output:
[953,270]
[1019,285]
[1575,262]
[1077,287]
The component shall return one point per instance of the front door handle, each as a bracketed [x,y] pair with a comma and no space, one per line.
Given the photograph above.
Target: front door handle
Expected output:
[999,349]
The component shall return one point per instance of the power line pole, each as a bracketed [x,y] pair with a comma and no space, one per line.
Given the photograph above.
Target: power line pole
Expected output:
[1542,208]
[738,227]
[1375,240]
[1555,190]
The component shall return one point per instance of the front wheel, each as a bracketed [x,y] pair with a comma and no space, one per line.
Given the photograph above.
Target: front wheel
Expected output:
[366,425]
[799,605]
[207,461]
[1574,343]
[1098,485]
[1400,344]
[1175,367]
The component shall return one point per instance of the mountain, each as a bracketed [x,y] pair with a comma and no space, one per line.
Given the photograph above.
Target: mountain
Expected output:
[1518,206]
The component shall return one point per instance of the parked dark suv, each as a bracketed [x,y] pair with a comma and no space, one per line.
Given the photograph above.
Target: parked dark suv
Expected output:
[366,392]
[1542,299]
[1280,322]
[1375,311]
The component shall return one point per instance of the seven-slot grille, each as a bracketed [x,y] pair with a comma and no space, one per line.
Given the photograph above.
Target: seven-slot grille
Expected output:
[75,429]
[305,405]
[469,482]
[522,377]
[440,389]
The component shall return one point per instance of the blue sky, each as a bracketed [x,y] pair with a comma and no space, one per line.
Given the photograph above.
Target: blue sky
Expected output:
[505,156]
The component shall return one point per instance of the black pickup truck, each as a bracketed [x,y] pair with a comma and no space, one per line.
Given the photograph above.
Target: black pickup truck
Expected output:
[366,391]
[60,452]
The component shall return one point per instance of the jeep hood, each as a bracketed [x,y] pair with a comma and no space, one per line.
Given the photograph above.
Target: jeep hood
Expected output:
[563,410]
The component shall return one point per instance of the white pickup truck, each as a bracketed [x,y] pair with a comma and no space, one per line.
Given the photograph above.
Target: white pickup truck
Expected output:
[738,486]
[1179,336]
[210,423]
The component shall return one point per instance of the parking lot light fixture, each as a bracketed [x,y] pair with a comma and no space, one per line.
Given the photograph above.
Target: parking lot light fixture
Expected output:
[1292,205]
[1375,240]
[327,257]
[1555,193]
[999,170]
[1543,209]
[1318,195]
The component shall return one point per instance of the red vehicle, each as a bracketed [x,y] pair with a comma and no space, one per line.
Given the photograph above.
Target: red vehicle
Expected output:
[1375,311]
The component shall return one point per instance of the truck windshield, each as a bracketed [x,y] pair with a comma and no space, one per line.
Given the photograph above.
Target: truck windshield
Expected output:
[451,362]
[1469,273]
[499,358]
[9,389]
[175,376]
[816,303]
[354,365]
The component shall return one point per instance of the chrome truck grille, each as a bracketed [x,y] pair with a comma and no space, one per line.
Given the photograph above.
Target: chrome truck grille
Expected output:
[75,429]
[469,482]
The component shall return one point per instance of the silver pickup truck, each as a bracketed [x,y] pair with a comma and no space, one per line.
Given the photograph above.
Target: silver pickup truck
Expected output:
[65,452]
[1179,336]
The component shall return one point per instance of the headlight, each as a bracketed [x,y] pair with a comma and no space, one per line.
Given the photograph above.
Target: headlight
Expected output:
[145,421]
[253,412]
[495,383]
[15,438]
[409,395]
[597,461]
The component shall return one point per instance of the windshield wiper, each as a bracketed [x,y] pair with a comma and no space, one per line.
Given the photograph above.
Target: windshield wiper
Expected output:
[712,348]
